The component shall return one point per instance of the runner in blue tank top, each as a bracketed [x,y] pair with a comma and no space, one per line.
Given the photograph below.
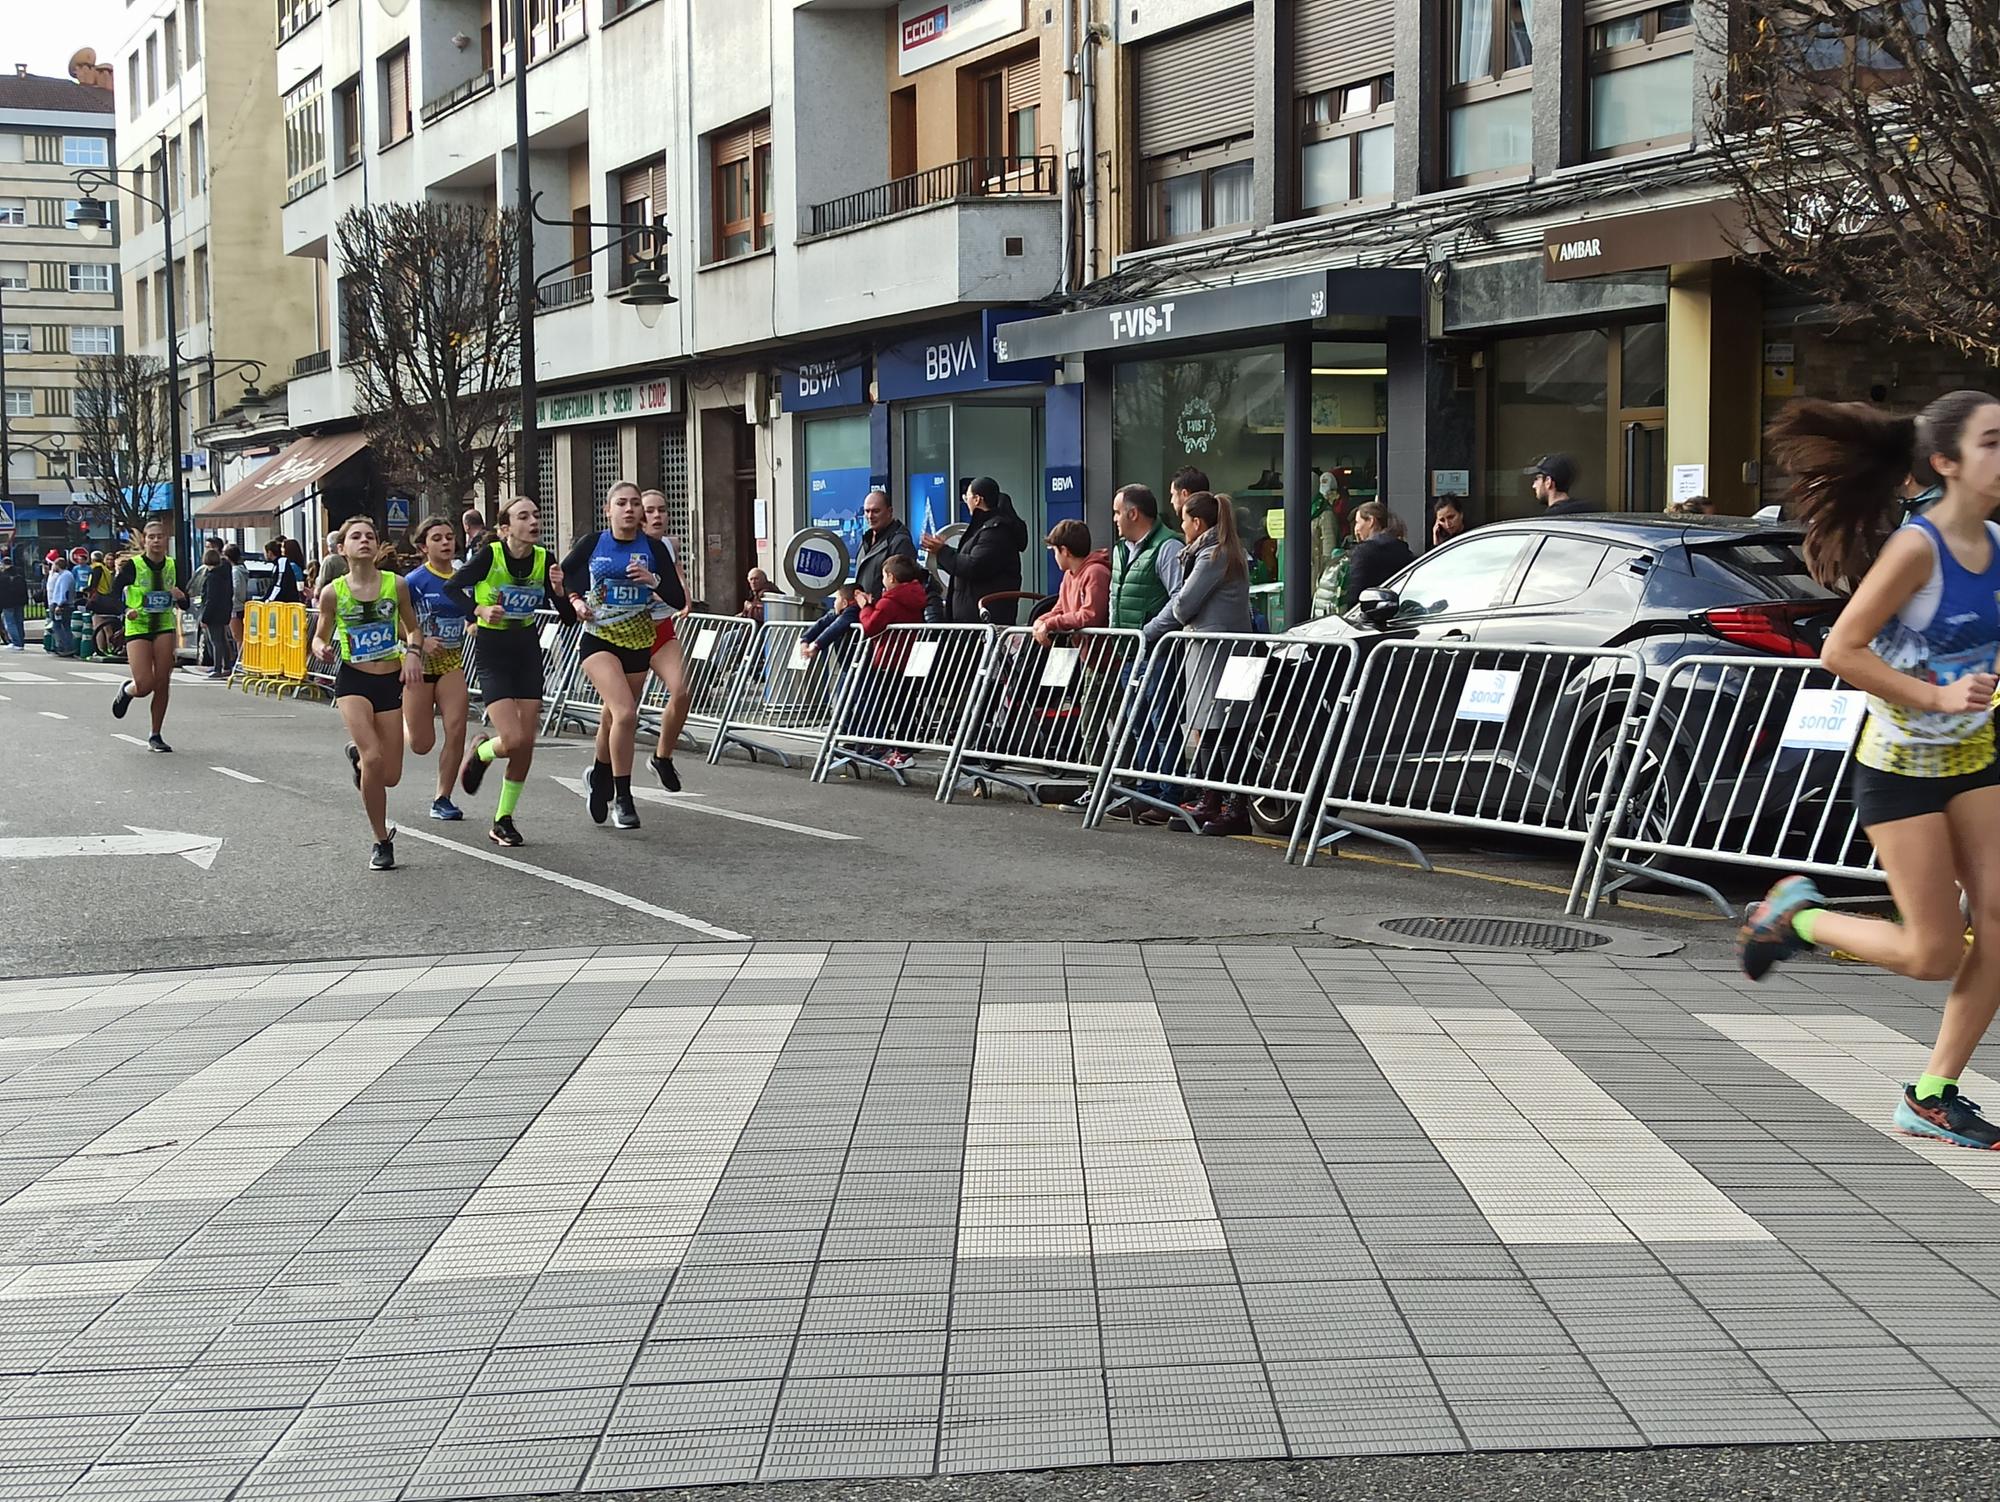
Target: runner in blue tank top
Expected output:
[1920,638]
[441,690]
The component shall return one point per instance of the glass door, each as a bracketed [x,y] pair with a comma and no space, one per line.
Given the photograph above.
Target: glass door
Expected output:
[1646,465]
[947,446]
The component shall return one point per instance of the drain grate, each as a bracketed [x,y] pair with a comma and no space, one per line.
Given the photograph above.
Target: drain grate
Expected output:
[1497,933]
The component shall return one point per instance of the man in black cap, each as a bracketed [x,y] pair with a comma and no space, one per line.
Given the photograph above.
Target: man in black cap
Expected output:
[1551,477]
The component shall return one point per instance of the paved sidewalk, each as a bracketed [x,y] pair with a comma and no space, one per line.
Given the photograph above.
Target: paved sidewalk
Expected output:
[618,1219]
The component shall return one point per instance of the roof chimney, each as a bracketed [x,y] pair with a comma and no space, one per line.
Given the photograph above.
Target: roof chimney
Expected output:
[20,70]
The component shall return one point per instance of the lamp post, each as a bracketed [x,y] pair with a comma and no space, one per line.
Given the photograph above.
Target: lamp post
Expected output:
[90,218]
[528,466]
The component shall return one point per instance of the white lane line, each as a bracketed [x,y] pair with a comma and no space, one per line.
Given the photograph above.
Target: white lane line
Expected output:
[239,776]
[1545,1153]
[686,801]
[82,676]
[130,740]
[1861,1066]
[576,884]
[1077,1137]
[50,714]
[16,676]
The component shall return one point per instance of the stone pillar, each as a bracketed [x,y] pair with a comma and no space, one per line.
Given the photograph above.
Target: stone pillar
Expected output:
[1714,377]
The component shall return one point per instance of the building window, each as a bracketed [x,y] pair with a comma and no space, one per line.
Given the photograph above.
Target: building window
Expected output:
[132,83]
[160,303]
[14,339]
[170,34]
[741,161]
[200,284]
[1009,103]
[13,276]
[552,25]
[394,80]
[92,339]
[20,402]
[293,16]
[1198,191]
[153,68]
[176,173]
[142,311]
[1488,111]
[641,199]
[305,138]
[88,276]
[10,147]
[1348,144]
[86,151]
[197,159]
[1642,80]
[347,126]
[193,32]
[13,212]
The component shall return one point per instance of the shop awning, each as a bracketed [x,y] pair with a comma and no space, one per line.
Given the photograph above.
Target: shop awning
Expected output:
[260,495]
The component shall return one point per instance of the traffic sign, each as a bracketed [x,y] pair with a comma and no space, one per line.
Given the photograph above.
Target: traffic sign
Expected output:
[399,513]
[6,514]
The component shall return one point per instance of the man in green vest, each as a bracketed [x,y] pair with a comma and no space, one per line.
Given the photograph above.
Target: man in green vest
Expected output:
[1145,574]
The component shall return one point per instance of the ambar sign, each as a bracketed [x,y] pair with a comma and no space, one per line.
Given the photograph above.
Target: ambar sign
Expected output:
[1711,231]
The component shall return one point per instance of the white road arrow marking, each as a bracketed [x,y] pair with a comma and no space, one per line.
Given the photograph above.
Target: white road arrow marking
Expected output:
[686,801]
[201,849]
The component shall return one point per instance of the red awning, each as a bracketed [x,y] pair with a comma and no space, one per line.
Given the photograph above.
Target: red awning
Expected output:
[260,495]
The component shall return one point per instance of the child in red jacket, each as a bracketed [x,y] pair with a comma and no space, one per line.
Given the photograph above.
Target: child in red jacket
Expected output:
[901,603]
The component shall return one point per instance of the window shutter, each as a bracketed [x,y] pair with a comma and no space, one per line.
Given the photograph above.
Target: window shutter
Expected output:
[734,146]
[1024,84]
[399,96]
[1595,11]
[1340,42]
[635,184]
[1194,88]
[659,188]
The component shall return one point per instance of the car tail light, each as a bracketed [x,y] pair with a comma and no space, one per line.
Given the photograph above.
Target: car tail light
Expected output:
[1766,628]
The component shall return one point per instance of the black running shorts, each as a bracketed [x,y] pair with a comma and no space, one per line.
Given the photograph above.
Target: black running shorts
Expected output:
[509,661]
[382,690]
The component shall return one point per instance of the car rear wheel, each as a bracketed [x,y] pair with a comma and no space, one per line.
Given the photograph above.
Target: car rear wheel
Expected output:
[1647,813]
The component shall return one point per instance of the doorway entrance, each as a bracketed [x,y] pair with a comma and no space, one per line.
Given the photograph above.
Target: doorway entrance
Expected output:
[947,445]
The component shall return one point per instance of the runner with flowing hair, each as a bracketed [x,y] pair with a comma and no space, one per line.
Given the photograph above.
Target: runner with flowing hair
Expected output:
[1919,637]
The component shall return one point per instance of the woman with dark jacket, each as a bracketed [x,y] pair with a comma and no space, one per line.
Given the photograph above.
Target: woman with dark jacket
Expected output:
[987,559]
[1379,554]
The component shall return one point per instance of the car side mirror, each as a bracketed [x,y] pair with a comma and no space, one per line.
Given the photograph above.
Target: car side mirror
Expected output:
[1378,606]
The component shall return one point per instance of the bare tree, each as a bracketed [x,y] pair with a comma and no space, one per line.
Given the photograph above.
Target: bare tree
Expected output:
[429,332]
[1863,140]
[125,451]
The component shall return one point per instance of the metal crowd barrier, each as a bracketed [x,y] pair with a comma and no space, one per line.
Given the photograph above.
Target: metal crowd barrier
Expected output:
[711,652]
[777,690]
[905,698]
[1743,760]
[1047,710]
[567,696]
[1520,740]
[1239,714]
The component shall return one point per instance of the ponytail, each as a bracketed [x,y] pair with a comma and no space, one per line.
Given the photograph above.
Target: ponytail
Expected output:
[1847,461]
[1219,512]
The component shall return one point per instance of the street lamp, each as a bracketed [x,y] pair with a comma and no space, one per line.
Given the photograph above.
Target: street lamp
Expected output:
[90,218]
[648,291]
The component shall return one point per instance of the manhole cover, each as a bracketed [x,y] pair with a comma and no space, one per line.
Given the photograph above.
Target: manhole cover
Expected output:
[1497,933]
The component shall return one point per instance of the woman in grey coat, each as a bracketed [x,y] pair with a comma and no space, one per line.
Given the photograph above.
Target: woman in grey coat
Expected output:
[1214,596]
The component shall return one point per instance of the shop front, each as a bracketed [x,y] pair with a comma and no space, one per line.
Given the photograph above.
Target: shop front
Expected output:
[312,486]
[1282,392]
[591,438]
[835,447]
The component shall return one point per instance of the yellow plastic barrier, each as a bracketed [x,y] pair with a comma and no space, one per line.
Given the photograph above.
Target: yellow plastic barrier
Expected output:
[253,641]
[292,626]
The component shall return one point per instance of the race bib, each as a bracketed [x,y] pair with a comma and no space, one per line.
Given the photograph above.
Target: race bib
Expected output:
[519,602]
[624,594]
[449,629]
[371,642]
[159,600]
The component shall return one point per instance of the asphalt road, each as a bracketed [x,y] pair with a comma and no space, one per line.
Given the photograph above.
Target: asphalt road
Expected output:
[752,850]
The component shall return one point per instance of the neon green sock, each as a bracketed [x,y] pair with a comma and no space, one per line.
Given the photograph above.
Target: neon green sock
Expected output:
[488,748]
[1931,1086]
[1805,920]
[510,795]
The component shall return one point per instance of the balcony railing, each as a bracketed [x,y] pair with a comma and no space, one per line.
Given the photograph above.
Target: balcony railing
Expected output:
[316,363]
[563,294]
[451,99]
[971,177]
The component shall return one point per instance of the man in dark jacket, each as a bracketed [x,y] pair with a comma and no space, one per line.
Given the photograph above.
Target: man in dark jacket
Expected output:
[1550,477]
[14,602]
[885,538]
[987,559]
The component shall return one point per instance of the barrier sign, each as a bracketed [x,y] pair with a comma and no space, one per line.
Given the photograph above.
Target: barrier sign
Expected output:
[1241,677]
[1824,719]
[704,644]
[922,656]
[815,560]
[1488,694]
[1060,670]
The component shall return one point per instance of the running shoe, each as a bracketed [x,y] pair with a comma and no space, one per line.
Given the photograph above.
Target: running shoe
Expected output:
[663,768]
[354,761]
[597,782]
[471,771]
[123,702]
[1949,1117]
[383,857]
[154,743]
[896,761]
[503,832]
[623,814]
[1767,935]
[445,810]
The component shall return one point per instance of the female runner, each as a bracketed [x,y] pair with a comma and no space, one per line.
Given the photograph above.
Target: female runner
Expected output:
[443,686]
[669,665]
[362,613]
[623,572]
[501,587]
[147,588]
[1919,637]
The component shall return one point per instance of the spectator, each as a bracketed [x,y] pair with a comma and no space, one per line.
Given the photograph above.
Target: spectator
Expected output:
[1550,477]
[239,597]
[1214,596]
[218,599]
[759,584]
[1447,520]
[1378,553]
[288,584]
[1145,572]
[13,602]
[901,603]
[472,527]
[885,538]
[1083,601]
[1186,481]
[332,562]
[61,589]
[986,559]
[831,626]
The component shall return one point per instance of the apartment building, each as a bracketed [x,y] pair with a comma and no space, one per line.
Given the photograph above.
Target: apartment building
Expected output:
[59,296]
[200,131]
